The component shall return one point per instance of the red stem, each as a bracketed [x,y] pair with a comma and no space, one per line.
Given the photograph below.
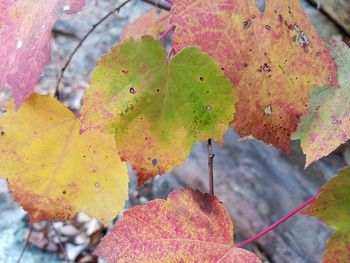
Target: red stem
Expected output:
[170,54]
[169,1]
[280,221]
[166,32]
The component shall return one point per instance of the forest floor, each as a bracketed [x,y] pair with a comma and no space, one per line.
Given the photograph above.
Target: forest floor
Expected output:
[257,183]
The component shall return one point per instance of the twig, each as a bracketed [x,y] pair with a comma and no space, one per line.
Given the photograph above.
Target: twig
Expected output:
[211,167]
[158,4]
[25,244]
[60,244]
[166,32]
[115,10]
[277,223]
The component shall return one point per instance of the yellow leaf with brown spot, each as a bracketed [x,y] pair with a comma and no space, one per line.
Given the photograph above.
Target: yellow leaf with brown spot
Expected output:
[52,170]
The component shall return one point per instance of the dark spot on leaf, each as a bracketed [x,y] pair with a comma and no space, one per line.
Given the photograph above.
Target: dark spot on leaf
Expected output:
[132,90]
[84,156]
[246,24]
[154,162]
[64,192]
[125,71]
[268,27]
[266,68]
[201,78]
[2,133]
[280,18]
[158,90]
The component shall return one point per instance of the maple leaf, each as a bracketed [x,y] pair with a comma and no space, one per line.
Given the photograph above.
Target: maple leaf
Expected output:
[52,170]
[274,58]
[187,227]
[25,35]
[332,206]
[327,125]
[152,23]
[157,109]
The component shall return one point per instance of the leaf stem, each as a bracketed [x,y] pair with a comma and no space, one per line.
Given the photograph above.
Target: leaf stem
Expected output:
[117,9]
[166,32]
[170,54]
[210,167]
[277,223]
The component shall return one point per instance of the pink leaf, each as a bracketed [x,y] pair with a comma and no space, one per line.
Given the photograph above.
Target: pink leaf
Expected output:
[25,33]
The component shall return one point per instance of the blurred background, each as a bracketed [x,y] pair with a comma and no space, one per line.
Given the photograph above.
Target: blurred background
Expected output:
[257,183]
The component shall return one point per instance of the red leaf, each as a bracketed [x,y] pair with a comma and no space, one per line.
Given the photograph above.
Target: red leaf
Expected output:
[25,34]
[187,227]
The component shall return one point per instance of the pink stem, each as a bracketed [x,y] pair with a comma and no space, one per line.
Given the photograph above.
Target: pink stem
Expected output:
[280,221]
[166,32]
[169,1]
[170,54]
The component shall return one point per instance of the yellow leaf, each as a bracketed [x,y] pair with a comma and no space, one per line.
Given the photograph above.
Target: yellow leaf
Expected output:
[52,170]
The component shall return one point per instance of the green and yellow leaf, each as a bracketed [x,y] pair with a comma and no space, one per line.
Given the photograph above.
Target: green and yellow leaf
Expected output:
[327,125]
[332,206]
[157,108]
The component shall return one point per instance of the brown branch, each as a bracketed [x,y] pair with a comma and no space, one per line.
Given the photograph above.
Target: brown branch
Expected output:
[25,244]
[158,4]
[58,235]
[211,167]
[115,10]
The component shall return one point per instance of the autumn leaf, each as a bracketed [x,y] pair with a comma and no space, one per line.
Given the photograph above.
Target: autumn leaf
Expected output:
[52,170]
[187,227]
[274,58]
[153,23]
[157,109]
[25,35]
[327,125]
[332,206]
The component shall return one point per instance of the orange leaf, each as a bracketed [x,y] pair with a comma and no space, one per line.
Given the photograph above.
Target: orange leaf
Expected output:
[274,58]
[153,23]
[187,227]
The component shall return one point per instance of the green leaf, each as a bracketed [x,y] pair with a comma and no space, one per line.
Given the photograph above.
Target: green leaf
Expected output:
[333,207]
[158,108]
[327,124]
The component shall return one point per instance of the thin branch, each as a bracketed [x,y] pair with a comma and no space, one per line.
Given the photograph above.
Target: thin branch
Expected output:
[166,32]
[277,223]
[158,4]
[60,244]
[170,54]
[115,10]
[25,244]
[210,167]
